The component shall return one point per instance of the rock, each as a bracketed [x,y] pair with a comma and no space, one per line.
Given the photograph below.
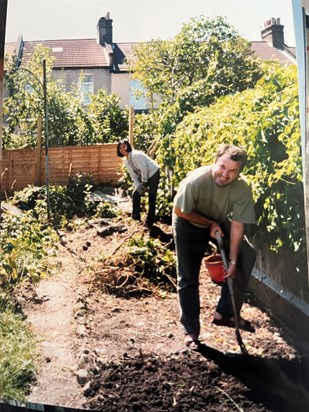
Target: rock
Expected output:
[82,376]
[81,330]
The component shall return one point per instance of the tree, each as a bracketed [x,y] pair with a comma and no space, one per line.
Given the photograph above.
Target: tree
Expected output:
[207,58]
[26,103]
[69,123]
[110,123]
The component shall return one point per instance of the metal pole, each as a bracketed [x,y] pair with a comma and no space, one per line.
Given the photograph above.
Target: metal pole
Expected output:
[46,138]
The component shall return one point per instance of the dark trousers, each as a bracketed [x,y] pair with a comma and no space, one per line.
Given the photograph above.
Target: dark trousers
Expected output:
[191,244]
[153,183]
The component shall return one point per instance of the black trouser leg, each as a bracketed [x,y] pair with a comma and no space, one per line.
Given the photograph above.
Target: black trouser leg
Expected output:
[136,200]
[153,183]
[191,243]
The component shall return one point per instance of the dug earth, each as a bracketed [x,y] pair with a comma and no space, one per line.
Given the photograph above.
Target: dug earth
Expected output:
[104,348]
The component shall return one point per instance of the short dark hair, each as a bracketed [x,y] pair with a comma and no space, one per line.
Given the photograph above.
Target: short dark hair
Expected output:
[129,148]
[235,153]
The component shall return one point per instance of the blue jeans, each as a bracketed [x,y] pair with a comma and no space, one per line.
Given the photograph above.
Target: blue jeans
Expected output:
[191,244]
[153,183]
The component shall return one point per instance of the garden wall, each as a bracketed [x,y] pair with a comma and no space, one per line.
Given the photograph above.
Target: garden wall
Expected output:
[24,167]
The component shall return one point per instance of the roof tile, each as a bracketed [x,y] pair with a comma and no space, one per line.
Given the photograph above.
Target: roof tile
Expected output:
[79,53]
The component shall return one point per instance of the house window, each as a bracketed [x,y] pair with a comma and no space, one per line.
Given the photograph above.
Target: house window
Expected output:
[86,88]
[136,95]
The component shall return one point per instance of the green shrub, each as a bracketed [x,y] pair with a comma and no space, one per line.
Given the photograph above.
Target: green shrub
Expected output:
[265,121]
[26,248]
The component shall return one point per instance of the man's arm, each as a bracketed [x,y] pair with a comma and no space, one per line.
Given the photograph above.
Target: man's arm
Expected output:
[195,217]
[236,236]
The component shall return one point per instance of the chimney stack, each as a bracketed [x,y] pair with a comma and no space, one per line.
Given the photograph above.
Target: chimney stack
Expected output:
[105,30]
[273,33]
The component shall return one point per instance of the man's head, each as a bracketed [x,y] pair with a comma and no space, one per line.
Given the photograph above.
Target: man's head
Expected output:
[230,161]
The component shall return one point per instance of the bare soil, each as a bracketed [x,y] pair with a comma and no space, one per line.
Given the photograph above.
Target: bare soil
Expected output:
[106,352]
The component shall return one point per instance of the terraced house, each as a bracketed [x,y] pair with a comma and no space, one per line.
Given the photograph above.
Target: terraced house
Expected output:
[100,63]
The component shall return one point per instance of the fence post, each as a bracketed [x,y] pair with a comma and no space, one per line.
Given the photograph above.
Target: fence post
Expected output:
[131,121]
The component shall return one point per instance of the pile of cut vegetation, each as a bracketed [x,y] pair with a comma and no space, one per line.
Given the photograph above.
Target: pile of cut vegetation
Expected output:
[139,265]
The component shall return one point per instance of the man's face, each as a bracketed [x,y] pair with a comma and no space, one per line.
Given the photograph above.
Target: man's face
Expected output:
[225,170]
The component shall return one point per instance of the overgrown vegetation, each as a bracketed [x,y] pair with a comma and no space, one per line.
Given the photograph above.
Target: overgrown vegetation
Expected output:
[26,246]
[265,121]
[254,106]
[75,199]
[141,265]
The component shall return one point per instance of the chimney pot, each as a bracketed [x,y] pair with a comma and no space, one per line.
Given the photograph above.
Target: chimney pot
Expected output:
[273,33]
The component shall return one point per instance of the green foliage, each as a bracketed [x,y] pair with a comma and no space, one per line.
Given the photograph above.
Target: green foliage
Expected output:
[146,131]
[106,210]
[66,202]
[69,123]
[153,259]
[17,354]
[26,101]
[265,121]
[207,59]
[26,248]
[110,123]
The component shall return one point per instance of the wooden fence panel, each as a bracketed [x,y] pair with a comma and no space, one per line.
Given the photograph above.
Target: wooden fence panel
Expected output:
[19,167]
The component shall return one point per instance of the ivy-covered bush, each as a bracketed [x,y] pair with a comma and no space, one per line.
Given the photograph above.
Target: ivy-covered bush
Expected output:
[265,121]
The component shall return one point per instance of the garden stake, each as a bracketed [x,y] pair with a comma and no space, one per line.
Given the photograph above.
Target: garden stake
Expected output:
[231,289]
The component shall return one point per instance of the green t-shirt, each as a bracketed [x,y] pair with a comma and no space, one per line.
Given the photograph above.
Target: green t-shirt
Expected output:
[199,192]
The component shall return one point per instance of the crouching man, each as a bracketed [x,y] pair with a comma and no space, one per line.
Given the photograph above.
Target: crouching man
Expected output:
[213,198]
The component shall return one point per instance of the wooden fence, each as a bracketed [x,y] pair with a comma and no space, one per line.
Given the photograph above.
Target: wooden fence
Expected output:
[24,167]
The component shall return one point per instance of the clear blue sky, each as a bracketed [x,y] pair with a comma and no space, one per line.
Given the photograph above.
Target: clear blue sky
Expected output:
[139,20]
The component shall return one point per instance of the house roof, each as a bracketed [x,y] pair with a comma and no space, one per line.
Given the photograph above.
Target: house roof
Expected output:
[71,53]
[266,52]
[79,53]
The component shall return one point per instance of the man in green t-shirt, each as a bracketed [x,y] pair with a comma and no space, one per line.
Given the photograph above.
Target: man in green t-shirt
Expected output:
[210,199]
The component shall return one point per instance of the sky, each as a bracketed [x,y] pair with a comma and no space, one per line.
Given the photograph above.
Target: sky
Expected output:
[139,20]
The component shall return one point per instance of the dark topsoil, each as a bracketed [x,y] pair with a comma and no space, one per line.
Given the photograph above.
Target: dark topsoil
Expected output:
[135,358]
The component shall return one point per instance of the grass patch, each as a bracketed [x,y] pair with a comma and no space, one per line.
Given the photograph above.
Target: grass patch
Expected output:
[17,356]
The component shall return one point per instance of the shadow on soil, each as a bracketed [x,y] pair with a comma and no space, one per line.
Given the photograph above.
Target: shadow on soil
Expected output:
[279,384]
